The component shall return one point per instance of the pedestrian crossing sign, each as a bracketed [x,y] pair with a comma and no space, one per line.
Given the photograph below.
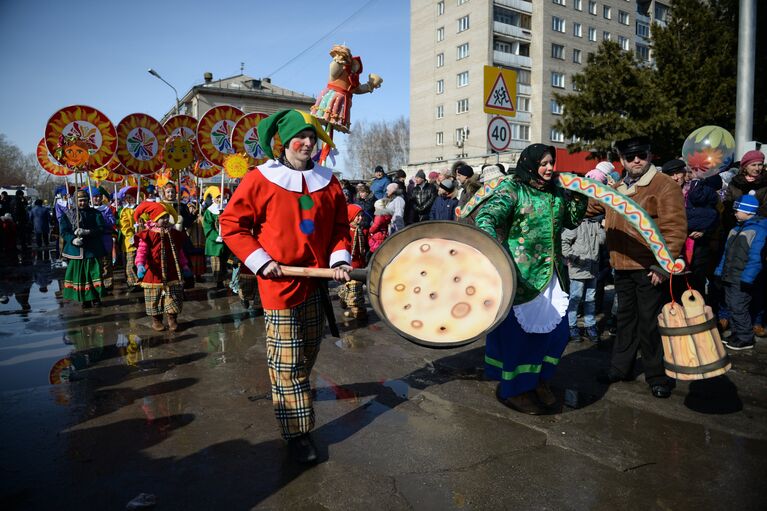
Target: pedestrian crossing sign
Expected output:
[500,91]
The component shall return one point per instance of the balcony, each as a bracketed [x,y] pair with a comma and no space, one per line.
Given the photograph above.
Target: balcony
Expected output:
[517,5]
[523,117]
[525,90]
[511,30]
[511,60]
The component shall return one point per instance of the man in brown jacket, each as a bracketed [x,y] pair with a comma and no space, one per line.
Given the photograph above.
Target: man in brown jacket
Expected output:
[638,279]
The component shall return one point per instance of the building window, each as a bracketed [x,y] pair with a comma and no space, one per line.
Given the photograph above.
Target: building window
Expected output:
[523,76]
[624,43]
[462,106]
[523,104]
[440,86]
[623,18]
[440,8]
[643,52]
[556,136]
[512,17]
[462,51]
[462,79]
[661,12]
[606,36]
[577,30]
[463,23]
[607,12]
[576,56]
[558,80]
[440,111]
[520,131]
[440,59]
[557,51]
[515,48]
[578,5]
[560,2]
[592,7]
[440,34]
[440,138]
[460,135]
[556,108]
[557,24]
[643,30]
[592,34]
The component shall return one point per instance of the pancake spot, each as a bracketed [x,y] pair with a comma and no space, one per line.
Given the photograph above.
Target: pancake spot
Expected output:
[416,323]
[460,310]
[425,247]
[433,295]
[416,290]
[407,306]
[453,251]
[456,279]
[442,329]
[487,303]
[423,273]
[470,290]
[399,287]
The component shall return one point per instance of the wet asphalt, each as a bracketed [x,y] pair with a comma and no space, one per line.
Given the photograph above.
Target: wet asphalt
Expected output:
[97,408]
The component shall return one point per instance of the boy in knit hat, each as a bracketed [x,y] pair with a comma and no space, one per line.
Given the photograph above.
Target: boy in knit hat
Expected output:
[161,264]
[351,293]
[739,267]
[444,206]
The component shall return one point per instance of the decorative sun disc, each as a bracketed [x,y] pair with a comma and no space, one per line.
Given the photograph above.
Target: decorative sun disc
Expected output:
[236,165]
[85,128]
[205,169]
[48,162]
[245,138]
[178,152]
[214,132]
[139,138]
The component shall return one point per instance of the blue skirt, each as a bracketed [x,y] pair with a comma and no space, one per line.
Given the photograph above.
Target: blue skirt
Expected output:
[520,360]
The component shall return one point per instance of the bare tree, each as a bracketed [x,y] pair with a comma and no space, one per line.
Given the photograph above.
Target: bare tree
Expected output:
[17,168]
[378,143]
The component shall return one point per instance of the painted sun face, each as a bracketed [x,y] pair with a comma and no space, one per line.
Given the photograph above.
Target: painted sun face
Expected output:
[179,154]
[75,156]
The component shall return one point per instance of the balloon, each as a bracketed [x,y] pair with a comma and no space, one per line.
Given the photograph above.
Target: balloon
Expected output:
[708,151]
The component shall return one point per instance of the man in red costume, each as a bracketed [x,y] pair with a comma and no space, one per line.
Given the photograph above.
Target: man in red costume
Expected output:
[290,211]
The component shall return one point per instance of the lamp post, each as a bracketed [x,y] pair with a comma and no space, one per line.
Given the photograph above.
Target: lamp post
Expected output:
[157,75]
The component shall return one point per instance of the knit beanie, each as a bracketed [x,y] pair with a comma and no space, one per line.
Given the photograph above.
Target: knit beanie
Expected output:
[352,210]
[288,124]
[447,185]
[605,167]
[392,187]
[747,203]
[420,174]
[433,175]
[465,170]
[751,157]
[597,175]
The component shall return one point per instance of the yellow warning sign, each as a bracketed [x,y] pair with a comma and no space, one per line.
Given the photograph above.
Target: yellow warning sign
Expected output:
[500,91]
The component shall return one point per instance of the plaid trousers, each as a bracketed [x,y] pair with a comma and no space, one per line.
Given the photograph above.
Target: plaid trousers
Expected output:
[130,268]
[292,344]
[159,299]
[249,289]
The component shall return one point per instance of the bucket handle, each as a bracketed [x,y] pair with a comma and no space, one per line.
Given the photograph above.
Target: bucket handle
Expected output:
[322,273]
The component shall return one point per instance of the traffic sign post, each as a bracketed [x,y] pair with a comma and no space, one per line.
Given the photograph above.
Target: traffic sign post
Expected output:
[500,91]
[498,134]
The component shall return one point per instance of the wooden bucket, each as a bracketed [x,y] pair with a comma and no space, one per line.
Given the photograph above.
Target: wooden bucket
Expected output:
[692,348]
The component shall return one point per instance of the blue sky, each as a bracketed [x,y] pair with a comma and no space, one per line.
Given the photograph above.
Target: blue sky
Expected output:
[97,53]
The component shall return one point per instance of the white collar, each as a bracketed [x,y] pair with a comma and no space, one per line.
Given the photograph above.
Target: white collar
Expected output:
[213,208]
[316,178]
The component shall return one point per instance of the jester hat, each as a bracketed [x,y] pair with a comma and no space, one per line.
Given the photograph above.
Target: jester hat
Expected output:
[288,124]
[153,211]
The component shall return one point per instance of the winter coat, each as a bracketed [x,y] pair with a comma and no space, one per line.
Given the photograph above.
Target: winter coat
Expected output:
[423,197]
[41,219]
[533,220]
[92,247]
[443,208]
[468,189]
[378,231]
[210,220]
[368,207]
[150,251]
[660,197]
[739,187]
[397,209]
[378,187]
[742,258]
[581,247]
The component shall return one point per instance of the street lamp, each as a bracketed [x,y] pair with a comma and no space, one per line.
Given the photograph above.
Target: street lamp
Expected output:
[157,75]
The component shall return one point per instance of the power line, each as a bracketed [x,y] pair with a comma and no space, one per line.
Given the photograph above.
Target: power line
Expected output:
[315,43]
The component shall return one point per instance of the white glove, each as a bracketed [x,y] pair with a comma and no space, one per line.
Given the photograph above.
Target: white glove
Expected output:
[179,226]
[219,239]
[78,242]
[82,232]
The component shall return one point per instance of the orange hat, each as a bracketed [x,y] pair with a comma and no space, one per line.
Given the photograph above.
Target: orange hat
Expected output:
[153,211]
[352,211]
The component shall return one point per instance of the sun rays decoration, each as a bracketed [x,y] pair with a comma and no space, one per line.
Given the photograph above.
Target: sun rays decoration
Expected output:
[236,165]
[86,127]
[214,132]
[48,162]
[140,140]
[245,138]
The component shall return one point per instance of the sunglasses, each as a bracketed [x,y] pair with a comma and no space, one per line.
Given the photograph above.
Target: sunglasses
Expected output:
[642,155]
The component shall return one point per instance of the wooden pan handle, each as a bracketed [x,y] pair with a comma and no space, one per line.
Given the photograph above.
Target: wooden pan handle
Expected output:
[323,273]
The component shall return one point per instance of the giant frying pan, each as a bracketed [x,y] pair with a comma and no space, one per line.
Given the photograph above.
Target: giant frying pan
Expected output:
[439,284]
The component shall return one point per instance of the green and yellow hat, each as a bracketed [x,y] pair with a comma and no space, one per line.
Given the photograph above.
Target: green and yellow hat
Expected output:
[288,123]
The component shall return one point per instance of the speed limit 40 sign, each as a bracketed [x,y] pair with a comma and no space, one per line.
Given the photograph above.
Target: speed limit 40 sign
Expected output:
[498,134]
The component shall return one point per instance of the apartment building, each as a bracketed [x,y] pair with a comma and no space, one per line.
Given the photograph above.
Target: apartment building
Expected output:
[545,42]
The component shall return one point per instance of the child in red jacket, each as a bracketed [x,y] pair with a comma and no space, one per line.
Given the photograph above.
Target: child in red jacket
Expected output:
[379,230]
[351,294]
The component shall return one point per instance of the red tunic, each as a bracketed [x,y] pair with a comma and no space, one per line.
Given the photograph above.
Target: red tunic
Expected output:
[297,218]
[151,256]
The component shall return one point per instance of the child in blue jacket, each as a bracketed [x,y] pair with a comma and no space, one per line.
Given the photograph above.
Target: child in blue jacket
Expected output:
[444,207]
[739,267]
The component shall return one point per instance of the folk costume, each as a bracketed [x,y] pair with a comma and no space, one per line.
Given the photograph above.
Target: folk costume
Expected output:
[161,264]
[81,231]
[127,235]
[351,294]
[524,350]
[293,217]
[214,244]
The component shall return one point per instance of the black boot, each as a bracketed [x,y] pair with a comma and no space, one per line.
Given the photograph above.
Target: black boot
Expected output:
[302,449]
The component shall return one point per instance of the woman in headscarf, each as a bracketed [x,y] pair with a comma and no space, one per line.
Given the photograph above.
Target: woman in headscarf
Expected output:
[531,211]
